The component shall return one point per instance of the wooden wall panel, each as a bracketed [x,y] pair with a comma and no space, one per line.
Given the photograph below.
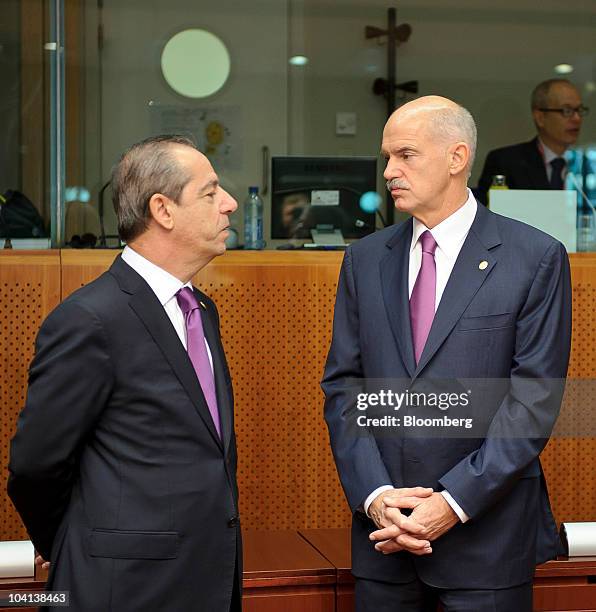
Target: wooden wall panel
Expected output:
[81,267]
[569,462]
[276,318]
[29,290]
[276,312]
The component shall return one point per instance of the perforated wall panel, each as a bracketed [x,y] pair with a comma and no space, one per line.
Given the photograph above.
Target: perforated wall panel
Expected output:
[276,313]
[29,290]
[570,462]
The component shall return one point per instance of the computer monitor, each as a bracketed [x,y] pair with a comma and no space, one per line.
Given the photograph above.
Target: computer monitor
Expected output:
[310,193]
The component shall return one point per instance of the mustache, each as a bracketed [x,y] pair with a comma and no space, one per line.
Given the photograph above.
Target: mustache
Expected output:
[396,183]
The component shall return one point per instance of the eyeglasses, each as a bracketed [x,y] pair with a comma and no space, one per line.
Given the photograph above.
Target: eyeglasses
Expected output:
[568,111]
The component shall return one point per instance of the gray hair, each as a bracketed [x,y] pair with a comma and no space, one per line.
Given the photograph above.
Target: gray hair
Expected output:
[456,124]
[541,92]
[146,168]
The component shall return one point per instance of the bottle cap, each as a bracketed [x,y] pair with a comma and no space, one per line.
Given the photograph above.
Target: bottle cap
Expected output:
[252,190]
[499,180]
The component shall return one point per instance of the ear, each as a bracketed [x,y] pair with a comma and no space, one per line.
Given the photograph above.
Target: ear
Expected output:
[160,208]
[538,117]
[459,155]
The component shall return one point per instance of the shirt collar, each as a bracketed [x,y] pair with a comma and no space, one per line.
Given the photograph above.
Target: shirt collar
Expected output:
[451,232]
[548,154]
[164,285]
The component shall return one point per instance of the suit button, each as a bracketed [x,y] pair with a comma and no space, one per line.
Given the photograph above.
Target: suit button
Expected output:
[232,522]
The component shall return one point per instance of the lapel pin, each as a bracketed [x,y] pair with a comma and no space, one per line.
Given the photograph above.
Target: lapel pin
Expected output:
[483,265]
[203,306]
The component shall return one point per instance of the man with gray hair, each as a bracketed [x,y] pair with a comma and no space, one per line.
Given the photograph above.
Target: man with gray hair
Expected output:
[123,465]
[455,296]
[557,110]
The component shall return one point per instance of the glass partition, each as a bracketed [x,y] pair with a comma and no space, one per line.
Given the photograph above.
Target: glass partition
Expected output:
[304,77]
[27,187]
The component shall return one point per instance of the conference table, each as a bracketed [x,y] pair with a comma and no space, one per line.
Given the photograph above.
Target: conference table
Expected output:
[309,571]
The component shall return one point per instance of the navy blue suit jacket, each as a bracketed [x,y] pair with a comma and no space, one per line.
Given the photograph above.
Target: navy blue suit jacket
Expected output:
[510,321]
[116,467]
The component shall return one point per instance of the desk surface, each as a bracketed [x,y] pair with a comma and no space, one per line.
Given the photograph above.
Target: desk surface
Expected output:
[335,546]
[281,554]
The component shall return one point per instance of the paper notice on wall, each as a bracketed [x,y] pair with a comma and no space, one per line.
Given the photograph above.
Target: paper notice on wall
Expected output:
[17,559]
[324,197]
[215,130]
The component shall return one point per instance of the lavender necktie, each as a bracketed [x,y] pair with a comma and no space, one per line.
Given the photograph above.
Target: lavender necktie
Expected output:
[197,350]
[422,300]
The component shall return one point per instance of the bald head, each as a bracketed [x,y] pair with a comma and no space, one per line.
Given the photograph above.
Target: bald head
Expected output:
[445,121]
[429,145]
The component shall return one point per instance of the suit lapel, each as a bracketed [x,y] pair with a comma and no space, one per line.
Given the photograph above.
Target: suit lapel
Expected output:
[464,282]
[535,168]
[394,270]
[147,307]
[224,402]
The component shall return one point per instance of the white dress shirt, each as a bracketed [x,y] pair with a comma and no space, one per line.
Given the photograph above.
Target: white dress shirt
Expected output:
[449,235]
[165,286]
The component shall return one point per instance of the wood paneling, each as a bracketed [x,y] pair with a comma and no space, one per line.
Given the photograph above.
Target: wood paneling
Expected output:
[81,267]
[276,313]
[283,572]
[561,585]
[29,290]
[569,461]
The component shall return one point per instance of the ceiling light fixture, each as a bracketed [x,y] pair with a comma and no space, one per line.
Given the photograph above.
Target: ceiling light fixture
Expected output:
[299,60]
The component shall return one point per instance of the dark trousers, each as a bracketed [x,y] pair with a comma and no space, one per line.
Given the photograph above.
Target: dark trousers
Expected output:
[415,596]
[236,603]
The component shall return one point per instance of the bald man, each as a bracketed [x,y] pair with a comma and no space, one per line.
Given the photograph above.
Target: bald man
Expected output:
[557,111]
[440,511]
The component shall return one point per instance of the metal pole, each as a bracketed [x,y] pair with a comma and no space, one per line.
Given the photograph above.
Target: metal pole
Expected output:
[391,44]
[57,118]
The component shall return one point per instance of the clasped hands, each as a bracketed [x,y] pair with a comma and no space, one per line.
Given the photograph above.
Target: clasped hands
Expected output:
[431,517]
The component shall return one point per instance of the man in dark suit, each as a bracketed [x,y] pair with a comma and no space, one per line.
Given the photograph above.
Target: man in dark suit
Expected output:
[557,111]
[123,465]
[455,293]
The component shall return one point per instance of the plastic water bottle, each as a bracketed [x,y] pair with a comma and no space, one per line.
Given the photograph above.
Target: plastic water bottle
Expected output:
[586,232]
[253,220]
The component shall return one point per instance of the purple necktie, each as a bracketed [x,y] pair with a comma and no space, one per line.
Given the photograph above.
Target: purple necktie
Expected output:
[422,301]
[197,350]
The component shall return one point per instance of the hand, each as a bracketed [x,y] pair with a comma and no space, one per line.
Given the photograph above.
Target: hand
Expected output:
[384,510]
[430,520]
[398,498]
[39,560]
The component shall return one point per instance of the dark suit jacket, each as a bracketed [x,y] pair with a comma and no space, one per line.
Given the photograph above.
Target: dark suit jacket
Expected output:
[509,323]
[116,467]
[522,165]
